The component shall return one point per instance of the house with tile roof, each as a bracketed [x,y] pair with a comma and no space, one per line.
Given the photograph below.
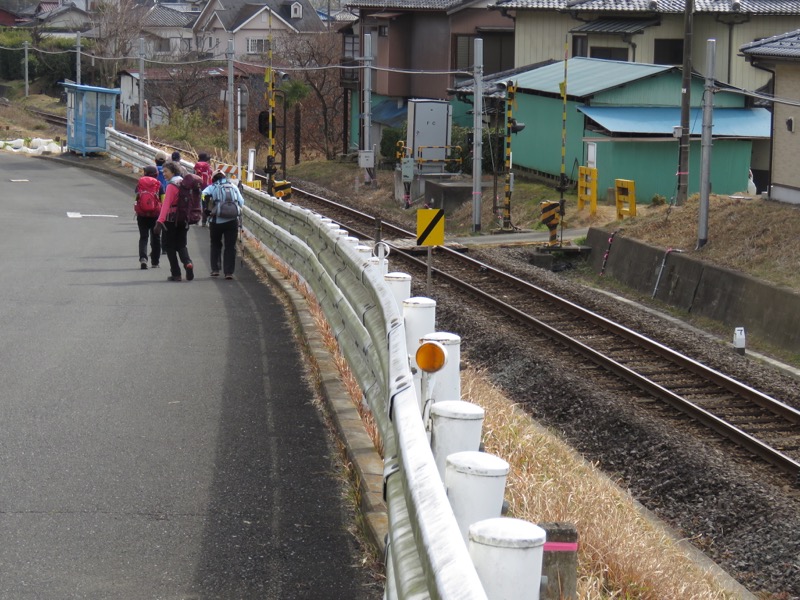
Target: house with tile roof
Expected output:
[648,31]
[421,48]
[780,55]
[620,118]
[168,32]
[252,26]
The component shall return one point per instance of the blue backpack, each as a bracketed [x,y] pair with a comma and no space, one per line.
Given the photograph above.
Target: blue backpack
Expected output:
[226,202]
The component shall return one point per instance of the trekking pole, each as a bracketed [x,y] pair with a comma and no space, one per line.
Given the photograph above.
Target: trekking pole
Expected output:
[240,242]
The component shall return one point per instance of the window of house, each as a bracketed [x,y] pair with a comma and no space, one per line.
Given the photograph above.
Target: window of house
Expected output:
[383,30]
[161,45]
[498,52]
[257,46]
[580,45]
[668,52]
[609,53]
[185,45]
[297,11]
[465,52]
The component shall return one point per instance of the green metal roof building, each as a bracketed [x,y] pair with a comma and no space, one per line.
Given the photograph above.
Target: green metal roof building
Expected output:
[623,114]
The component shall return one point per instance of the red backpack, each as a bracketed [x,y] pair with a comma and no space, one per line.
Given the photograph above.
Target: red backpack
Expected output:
[188,204]
[148,199]
[203,170]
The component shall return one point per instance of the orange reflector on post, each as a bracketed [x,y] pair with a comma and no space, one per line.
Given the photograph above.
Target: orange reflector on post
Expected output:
[431,357]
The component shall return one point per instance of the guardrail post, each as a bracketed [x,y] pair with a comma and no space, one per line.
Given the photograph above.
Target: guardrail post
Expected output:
[447,384]
[400,286]
[455,427]
[507,554]
[475,483]
[419,315]
[560,562]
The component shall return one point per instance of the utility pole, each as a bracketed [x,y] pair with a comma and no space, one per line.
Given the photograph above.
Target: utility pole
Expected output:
[78,58]
[707,142]
[477,137]
[229,56]
[141,83]
[367,139]
[686,98]
[25,46]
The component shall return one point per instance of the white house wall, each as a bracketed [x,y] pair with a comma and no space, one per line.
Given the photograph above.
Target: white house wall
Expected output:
[540,36]
[785,174]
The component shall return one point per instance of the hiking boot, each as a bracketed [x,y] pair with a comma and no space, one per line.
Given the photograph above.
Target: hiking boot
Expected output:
[143,263]
[189,271]
[215,273]
[174,278]
[229,277]
[154,266]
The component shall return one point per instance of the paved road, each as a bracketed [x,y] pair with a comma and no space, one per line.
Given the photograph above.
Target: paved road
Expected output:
[157,439]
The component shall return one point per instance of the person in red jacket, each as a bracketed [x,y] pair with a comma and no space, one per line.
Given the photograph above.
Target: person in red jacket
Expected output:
[174,233]
[147,209]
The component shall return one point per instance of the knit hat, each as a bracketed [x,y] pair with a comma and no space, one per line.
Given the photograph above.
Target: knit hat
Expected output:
[151,171]
[176,156]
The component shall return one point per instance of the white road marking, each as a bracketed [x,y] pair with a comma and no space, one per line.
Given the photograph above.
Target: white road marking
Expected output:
[77,215]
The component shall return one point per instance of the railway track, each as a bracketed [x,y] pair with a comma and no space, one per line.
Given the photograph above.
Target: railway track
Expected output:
[764,426]
[53,119]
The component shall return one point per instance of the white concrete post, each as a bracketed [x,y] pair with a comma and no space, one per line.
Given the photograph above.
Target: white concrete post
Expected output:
[455,427]
[447,383]
[400,286]
[419,315]
[507,554]
[475,483]
[364,252]
[353,241]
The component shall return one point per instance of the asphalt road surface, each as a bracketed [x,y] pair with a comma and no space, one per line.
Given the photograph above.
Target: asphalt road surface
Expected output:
[157,439]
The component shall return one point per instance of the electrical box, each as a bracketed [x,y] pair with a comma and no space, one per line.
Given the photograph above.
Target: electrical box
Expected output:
[407,169]
[430,123]
[366,159]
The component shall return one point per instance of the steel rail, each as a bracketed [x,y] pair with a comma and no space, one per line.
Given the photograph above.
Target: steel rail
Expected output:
[713,422]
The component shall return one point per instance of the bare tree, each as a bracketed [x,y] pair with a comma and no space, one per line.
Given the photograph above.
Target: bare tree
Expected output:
[115,23]
[184,86]
[314,59]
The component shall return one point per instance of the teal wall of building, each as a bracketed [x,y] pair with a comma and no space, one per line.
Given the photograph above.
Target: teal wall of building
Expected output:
[538,146]
[663,90]
[654,166]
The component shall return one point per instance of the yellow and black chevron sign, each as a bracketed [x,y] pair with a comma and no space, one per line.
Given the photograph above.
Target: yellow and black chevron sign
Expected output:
[430,227]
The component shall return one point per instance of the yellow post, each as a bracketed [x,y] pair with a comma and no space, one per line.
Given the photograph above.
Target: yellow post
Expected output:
[587,189]
[625,197]
[551,216]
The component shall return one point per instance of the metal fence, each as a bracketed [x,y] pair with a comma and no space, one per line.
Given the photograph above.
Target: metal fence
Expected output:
[428,557]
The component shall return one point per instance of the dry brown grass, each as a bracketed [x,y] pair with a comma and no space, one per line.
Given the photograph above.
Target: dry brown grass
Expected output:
[622,554]
[754,236]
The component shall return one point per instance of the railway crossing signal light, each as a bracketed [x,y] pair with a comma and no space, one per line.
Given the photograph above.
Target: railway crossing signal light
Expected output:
[263,123]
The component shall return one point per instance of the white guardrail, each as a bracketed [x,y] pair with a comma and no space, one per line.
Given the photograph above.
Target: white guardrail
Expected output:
[427,553]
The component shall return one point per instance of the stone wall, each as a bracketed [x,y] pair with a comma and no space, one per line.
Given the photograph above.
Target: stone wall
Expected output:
[731,298]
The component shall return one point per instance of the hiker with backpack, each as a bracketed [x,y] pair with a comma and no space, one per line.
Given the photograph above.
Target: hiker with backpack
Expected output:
[224,204]
[147,209]
[160,159]
[181,208]
[202,169]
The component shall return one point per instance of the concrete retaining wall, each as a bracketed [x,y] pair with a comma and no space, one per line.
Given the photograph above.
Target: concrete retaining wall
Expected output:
[731,298]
